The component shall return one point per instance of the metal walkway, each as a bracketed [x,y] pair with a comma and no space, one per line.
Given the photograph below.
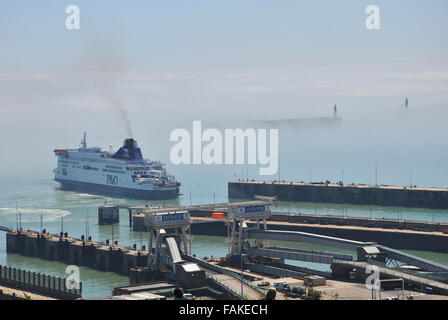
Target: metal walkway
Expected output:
[5,229]
[174,250]
[213,206]
[298,236]
[424,264]
[298,254]
[303,237]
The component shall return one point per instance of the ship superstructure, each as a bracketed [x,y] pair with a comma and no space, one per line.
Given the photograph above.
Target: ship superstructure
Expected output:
[123,173]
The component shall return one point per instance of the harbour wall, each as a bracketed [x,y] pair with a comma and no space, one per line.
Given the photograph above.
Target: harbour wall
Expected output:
[362,222]
[433,198]
[337,220]
[74,251]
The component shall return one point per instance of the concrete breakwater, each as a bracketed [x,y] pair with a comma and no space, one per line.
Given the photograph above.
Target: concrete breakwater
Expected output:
[382,223]
[381,195]
[74,251]
[362,222]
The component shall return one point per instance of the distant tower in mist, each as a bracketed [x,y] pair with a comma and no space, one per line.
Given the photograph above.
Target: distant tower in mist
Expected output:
[84,141]
[335,111]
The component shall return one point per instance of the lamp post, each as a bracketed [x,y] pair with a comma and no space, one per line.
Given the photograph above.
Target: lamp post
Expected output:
[446,174]
[376,173]
[241,275]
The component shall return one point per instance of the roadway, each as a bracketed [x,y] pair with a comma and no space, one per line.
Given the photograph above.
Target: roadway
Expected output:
[234,284]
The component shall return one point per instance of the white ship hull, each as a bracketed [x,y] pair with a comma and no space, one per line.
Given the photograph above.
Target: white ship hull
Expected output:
[120,192]
[98,172]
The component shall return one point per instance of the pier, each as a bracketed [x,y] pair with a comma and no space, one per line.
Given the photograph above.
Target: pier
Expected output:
[343,268]
[323,257]
[299,254]
[379,223]
[387,260]
[359,194]
[75,251]
[169,257]
[396,236]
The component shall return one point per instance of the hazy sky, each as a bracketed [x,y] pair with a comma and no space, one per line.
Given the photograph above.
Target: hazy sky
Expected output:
[171,62]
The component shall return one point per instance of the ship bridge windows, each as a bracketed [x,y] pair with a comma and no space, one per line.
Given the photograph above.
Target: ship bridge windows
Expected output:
[139,172]
[67,161]
[113,171]
[90,168]
[137,168]
[145,176]
[114,167]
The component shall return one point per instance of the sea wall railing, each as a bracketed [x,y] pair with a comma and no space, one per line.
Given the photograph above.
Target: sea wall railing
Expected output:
[47,285]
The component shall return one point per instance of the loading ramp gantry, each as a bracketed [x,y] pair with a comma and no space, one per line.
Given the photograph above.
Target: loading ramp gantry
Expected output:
[177,223]
[157,219]
[238,213]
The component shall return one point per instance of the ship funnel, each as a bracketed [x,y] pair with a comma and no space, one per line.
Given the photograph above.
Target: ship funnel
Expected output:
[129,151]
[130,143]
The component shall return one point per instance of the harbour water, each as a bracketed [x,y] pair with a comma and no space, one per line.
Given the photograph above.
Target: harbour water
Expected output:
[315,154]
[39,201]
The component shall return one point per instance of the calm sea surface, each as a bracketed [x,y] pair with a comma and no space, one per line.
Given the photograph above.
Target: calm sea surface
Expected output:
[345,153]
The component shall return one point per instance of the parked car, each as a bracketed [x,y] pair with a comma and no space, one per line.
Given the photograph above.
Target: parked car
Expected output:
[299,290]
[280,285]
[264,284]
[189,296]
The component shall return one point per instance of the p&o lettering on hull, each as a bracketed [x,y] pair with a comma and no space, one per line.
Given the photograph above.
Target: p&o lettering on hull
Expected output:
[112,179]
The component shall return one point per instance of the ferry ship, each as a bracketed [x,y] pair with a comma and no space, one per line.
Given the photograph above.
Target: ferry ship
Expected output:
[119,174]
